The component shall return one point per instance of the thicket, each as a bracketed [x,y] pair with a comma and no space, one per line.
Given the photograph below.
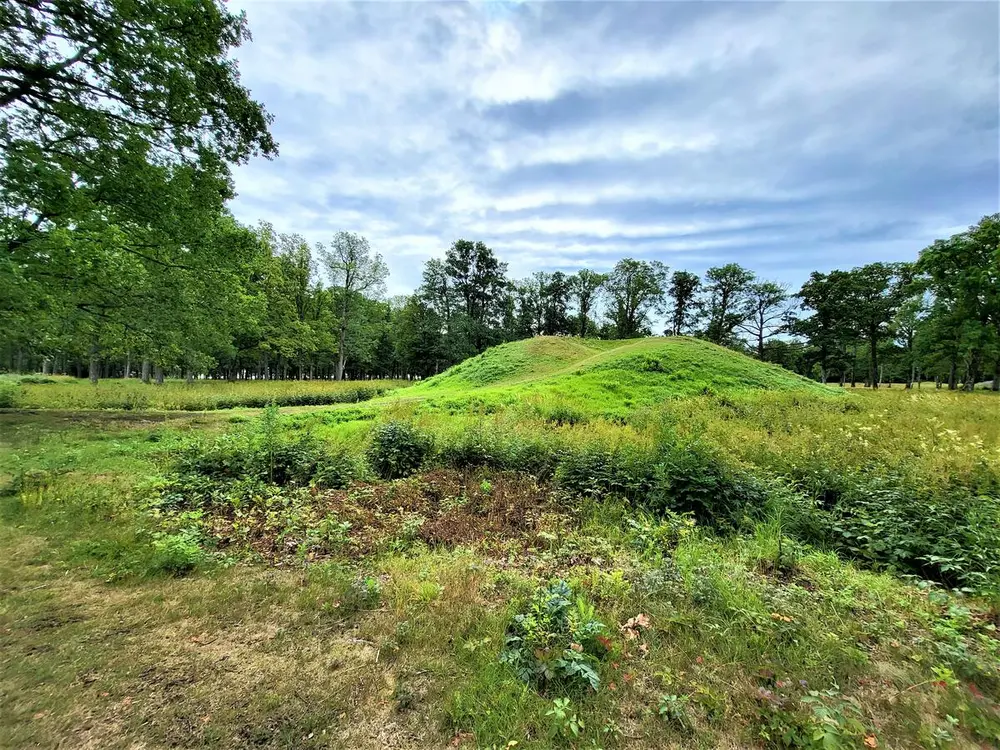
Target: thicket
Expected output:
[948,531]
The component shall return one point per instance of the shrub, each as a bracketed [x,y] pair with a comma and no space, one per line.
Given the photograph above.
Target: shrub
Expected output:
[595,471]
[176,554]
[691,479]
[397,450]
[243,463]
[945,534]
[335,469]
[555,641]
[8,394]
[474,447]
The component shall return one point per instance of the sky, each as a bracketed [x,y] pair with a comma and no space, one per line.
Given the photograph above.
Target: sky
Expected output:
[784,137]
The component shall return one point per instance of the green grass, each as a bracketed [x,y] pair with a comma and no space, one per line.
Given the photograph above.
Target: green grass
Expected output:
[157,590]
[609,378]
[177,395]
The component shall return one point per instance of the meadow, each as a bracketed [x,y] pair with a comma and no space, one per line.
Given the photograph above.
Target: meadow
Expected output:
[559,543]
[62,392]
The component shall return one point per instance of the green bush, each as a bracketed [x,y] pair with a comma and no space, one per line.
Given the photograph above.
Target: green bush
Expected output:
[176,554]
[335,469]
[475,447]
[8,394]
[397,450]
[691,479]
[944,534]
[37,380]
[595,471]
[241,463]
[555,641]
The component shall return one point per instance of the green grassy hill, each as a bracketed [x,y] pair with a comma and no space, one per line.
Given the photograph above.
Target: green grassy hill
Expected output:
[608,375]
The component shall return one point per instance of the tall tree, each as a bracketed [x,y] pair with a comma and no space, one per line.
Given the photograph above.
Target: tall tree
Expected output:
[766,313]
[905,327]
[479,281]
[875,292]
[726,288]
[831,325]
[117,124]
[585,287]
[420,343]
[355,271]
[530,299]
[963,274]
[684,293]
[637,288]
[555,305]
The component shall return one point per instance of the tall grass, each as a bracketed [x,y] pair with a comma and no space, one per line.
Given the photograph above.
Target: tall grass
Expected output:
[176,395]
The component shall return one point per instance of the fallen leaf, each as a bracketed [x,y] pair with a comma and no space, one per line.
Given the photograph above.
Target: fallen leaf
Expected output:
[870,741]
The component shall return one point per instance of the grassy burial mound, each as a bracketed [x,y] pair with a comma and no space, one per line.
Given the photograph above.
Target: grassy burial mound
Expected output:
[609,377]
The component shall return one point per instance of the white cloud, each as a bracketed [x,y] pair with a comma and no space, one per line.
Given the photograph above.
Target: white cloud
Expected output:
[567,133]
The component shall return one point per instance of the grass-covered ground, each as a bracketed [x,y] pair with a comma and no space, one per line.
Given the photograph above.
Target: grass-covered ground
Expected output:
[511,556]
[61,392]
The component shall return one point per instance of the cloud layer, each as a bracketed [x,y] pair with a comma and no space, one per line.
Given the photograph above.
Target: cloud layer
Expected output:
[784,137]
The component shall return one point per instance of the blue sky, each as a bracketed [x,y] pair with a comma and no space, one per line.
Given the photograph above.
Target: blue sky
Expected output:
[785,137]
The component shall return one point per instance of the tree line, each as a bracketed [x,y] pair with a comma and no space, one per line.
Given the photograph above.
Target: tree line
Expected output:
[119,124]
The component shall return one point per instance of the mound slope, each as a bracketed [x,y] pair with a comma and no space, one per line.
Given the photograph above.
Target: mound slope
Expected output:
[633,372]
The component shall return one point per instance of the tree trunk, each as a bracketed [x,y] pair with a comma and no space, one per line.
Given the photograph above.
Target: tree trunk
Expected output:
[128,365]
[145,370]
[953,373]
[996,375]
[95,364]
[341,353]
[972,374]
[189,376]
[46,366]
[873,361]
[158,374]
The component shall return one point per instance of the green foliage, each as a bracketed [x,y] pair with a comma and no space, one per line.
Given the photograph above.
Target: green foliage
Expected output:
[397,449]
[564,721]
[946,534]
[835,721]
[674,710]
[691,478]
[9,393]
[177,554]
[554,642]
[594,471]
[239,465]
